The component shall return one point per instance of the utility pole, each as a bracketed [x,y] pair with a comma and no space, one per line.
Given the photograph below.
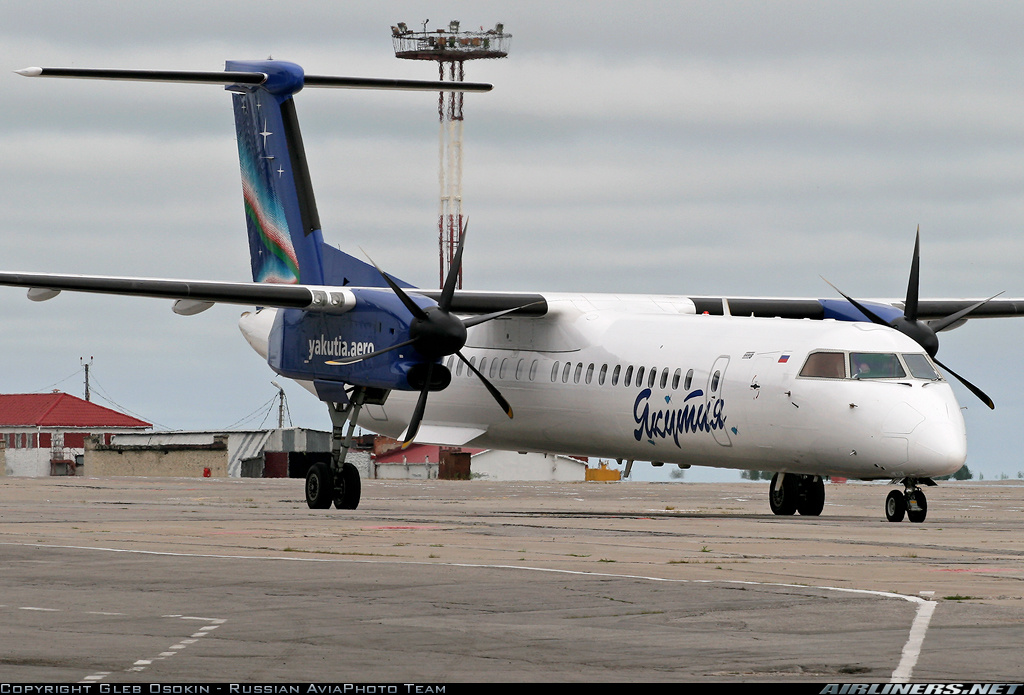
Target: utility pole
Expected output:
[280,405]
[85,364]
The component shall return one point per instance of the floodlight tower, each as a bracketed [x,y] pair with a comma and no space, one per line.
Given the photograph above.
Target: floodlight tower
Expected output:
[452,48]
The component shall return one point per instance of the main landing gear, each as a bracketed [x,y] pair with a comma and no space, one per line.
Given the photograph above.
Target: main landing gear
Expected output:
[911,502]
[791,493]
[338,482]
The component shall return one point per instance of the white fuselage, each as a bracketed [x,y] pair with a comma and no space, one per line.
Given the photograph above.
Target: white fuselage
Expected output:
[725,392]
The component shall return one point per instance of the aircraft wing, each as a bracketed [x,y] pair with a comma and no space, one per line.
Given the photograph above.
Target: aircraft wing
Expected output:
[194,296]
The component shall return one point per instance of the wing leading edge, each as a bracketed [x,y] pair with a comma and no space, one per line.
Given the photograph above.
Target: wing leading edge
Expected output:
[201,294]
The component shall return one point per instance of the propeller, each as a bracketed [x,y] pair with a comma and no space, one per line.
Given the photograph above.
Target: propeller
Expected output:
[435,332]
[922,332]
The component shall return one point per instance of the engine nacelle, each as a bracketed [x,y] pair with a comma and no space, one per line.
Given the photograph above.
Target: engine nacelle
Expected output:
[308,345]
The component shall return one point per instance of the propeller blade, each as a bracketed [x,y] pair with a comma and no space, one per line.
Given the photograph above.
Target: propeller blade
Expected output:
[953,318]
[412,306]
[970,387]
[914,285]
[490,387]
[417,413]
[875,318]
[477,320]
[360,358]
[448,291]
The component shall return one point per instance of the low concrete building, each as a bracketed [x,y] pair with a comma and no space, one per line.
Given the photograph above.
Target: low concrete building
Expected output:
[495,464]
[44,433]
[427,461]
[279,453]
[182,460]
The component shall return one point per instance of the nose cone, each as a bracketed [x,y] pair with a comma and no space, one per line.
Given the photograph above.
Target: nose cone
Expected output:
[938,446]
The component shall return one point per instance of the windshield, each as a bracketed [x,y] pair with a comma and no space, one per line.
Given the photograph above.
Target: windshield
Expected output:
[875,365]
[921,367]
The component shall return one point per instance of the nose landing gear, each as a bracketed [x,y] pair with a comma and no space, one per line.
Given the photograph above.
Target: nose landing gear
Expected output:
[911,503]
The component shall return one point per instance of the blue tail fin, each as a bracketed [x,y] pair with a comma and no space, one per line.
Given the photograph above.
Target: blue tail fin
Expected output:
[280,211]
[285,241]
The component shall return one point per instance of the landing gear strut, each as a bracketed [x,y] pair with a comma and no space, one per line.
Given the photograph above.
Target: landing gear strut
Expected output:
[791,493]
[337,482]
[912,502]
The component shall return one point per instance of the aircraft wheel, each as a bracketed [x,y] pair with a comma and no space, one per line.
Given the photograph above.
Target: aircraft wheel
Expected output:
[319,486]
[346,494]
[812,501]
[783,500]
[917,512]
[895,506]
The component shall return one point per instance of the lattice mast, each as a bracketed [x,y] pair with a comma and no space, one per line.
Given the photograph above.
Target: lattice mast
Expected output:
[450,49]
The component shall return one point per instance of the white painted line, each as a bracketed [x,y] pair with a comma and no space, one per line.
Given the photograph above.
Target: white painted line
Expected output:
[912,649]
[36,608]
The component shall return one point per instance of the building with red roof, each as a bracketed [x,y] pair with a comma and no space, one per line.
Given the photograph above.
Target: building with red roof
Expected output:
[43,433]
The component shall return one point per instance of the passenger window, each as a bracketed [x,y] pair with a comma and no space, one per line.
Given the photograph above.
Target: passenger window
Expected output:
[483,365]
[590,373]
[533,370]
[565,372]
[875,365]
[615,375]
[675,379]
[504,368]
[602,374]
[715,380]
[664,378]
[651,377]
[639,376]
[494,368]
[458,368]
[554,372]
[825,365]
[629,376]
[579,371]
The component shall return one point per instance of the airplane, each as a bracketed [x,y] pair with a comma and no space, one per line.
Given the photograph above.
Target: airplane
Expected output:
[806,388]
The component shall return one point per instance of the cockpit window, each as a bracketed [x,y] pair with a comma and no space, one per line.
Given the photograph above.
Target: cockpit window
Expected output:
[875,365]
[825,365]
[920,367]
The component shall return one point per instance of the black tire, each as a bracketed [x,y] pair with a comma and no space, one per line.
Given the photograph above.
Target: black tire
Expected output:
[895,506]
[783,500]
[917,515]
[346,494]
[812,496]
[319,486]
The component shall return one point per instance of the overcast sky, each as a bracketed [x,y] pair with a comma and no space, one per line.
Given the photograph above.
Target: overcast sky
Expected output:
[690,147]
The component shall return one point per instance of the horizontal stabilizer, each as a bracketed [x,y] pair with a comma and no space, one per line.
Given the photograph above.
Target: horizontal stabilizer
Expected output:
[231,77]
[194,76]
